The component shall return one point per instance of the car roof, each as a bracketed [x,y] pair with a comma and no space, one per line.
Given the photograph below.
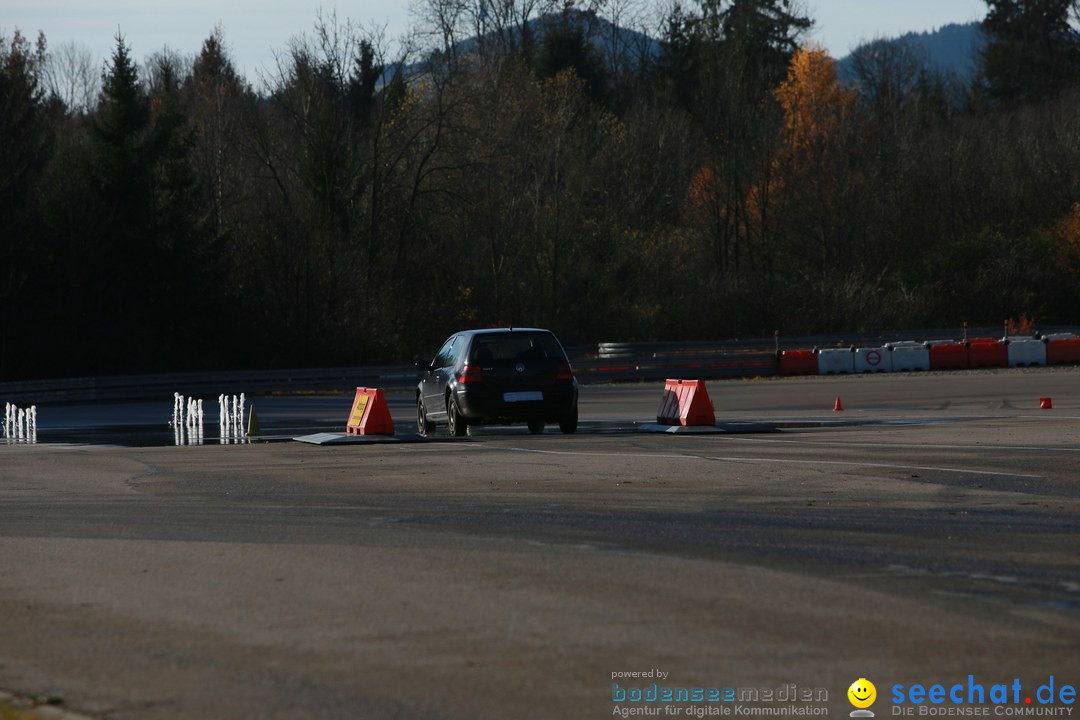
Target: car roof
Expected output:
[492,331]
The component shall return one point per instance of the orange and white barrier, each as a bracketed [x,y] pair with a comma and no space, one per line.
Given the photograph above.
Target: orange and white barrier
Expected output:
[370,414]
[983,352]
[987,353]
[948,355]
[874,359]
[1060,351]
[685,402]
[1026,351]
[798,362]
[835,361]
[909,356]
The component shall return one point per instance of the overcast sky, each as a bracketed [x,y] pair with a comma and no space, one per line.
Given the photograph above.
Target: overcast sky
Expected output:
[254,29]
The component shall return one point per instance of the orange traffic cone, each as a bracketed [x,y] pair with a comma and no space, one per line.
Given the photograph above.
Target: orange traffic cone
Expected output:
[1046,404]
[837,407]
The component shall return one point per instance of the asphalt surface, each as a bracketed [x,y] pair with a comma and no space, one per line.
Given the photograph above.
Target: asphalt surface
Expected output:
[927,533]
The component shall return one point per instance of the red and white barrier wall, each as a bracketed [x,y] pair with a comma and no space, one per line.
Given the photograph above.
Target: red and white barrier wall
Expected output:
[909,356]
[933,355]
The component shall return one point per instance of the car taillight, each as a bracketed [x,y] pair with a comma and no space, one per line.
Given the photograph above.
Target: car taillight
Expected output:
[470,373]
[565,373]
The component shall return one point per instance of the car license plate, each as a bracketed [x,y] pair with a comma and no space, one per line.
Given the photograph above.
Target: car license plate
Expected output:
[532,396]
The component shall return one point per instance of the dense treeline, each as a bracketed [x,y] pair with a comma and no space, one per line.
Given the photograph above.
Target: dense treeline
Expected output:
[531,164]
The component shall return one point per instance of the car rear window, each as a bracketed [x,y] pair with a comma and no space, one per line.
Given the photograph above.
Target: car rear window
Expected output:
[515,346]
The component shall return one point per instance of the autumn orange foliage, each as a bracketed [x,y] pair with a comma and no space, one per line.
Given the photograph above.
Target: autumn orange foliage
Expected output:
[814,103]
[1023,325]
[703,191]
[1069,234]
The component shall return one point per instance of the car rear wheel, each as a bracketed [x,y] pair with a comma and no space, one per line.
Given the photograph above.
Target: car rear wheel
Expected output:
[454,422]
[568,424]
[536,426]
[423,425]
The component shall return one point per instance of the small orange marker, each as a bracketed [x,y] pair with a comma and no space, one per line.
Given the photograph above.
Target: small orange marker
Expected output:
[837,407]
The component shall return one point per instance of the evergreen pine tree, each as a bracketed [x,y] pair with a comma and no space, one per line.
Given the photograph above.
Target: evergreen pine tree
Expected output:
[1032,50]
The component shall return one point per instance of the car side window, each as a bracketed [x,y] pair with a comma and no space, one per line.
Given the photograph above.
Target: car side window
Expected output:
[445,356]
[455,351]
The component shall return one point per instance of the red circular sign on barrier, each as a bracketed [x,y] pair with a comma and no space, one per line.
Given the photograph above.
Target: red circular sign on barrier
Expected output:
[873,358]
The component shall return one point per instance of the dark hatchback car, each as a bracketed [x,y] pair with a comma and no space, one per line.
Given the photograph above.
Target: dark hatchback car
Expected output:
[498,377]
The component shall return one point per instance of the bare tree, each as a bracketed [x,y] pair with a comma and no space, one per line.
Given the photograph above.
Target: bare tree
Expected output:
[443,20]
[166,66]
[627,45]
[72,75]
[493,28]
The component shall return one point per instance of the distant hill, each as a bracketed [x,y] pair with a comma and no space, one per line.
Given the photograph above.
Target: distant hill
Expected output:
[951,50]
[605,37]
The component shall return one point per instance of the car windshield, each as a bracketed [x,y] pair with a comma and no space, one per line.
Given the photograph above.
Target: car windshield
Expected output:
[515,346]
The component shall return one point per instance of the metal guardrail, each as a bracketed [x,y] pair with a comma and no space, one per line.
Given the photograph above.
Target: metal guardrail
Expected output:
[163,385]
[607,362]
[390,377]
[699,366]
[804,342]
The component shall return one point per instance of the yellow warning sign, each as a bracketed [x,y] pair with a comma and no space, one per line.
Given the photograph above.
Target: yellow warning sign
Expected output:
[370,414]
[358,409]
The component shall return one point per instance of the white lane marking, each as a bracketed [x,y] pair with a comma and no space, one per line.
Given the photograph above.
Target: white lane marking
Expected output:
[781,461]
[495,448]
[888,466]
[885,446]
[1049,416]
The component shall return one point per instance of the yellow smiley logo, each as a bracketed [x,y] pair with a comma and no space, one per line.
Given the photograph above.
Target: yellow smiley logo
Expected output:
[862,693]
